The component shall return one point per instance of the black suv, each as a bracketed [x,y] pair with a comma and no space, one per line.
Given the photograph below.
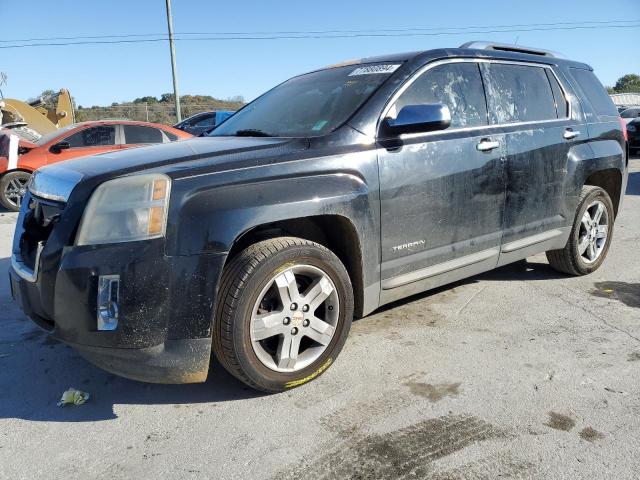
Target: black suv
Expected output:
[332,194]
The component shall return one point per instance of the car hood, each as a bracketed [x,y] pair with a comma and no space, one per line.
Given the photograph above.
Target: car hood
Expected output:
[177,159]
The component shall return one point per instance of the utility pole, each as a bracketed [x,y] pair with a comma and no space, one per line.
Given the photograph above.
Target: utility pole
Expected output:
[173,61]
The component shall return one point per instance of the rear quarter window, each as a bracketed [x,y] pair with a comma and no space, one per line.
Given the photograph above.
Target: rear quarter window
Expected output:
[594,92]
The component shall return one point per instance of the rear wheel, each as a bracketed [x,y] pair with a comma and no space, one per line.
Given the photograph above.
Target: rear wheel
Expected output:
[590,237]
[13,187]
[284,312]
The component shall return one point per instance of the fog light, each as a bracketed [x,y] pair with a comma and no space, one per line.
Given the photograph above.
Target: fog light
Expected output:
[108,298]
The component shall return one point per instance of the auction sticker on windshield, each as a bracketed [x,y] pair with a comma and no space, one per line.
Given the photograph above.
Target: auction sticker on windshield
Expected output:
[373,69]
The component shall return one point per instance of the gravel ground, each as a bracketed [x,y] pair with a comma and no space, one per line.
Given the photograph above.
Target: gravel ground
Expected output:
[518,373]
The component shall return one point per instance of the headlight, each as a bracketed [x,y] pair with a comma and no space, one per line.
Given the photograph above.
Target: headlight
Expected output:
[126,209]
[631,128]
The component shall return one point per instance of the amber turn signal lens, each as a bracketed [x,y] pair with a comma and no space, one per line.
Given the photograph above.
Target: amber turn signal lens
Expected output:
[156,220]
[159,189]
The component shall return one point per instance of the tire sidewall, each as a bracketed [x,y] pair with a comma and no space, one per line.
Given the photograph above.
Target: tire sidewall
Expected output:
[259,373]
[582,266]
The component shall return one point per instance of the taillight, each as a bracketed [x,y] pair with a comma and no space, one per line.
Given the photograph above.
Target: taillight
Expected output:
[624,129]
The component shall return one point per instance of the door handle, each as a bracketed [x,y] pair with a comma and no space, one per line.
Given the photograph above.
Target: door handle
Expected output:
[570,133]
[487,145]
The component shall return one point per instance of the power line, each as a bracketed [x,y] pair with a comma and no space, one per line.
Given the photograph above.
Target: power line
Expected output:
[320,34]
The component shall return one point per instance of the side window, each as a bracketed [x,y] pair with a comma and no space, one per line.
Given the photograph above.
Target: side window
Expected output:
[93,137]
[562,107]
[519,93]
[457,85]
[206,121]
[171,136]
[141,134]
[595,92]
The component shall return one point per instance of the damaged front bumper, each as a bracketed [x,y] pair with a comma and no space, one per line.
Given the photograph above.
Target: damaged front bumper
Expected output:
[164,304]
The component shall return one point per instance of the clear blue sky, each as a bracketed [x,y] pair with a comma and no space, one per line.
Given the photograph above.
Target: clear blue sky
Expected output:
[101,74]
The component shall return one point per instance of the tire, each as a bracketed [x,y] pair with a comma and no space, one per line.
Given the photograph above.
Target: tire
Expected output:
[12,189]
[252,288]
[570,259]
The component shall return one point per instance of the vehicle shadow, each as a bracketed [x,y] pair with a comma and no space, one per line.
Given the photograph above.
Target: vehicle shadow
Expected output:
[35,370]
[521,270]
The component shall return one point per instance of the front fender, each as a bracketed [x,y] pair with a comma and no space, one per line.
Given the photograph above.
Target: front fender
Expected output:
[212,217]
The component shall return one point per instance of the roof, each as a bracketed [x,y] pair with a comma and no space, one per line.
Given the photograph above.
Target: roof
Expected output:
[508,52]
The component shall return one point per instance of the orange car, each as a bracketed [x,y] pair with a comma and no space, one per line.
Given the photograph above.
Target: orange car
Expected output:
[19,157]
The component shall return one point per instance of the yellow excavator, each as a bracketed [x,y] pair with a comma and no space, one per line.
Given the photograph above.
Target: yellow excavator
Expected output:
[35,118]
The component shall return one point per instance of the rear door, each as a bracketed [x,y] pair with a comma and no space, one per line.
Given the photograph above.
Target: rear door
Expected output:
[442,193]
[530,105]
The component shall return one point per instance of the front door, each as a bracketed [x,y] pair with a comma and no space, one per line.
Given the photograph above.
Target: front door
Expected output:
[442,193]
[88,141]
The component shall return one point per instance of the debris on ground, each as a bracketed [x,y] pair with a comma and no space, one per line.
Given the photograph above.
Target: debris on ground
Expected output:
[73,397]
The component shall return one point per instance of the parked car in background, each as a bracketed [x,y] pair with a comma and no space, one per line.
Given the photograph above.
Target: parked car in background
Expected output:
[622,108]
[633,134]
[334,193]
[203,122]
[630,113]
[19,157]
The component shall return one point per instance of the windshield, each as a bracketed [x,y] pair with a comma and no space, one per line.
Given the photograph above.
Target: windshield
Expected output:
[309,105]
[51,135]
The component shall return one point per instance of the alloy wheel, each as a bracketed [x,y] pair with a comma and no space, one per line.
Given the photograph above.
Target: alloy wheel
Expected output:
[594,230]
[294,318]
[15,190]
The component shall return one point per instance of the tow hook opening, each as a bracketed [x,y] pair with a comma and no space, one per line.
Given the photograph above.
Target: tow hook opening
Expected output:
[108,302]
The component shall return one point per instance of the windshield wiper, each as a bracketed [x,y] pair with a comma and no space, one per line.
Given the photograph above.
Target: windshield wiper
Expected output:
[252,132]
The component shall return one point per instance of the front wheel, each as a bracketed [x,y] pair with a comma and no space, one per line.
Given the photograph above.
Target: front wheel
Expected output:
[284,312]
[590,237]
[13,187]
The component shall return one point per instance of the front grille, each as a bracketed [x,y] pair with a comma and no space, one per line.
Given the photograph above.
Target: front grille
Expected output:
[39,219]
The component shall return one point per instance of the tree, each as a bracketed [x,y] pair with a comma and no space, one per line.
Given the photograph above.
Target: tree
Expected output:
[629,83]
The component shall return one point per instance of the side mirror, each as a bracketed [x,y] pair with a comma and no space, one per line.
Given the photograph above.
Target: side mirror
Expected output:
[58,147]
[417,119]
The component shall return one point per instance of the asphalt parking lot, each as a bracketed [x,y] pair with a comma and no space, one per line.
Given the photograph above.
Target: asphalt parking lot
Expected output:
[517,373]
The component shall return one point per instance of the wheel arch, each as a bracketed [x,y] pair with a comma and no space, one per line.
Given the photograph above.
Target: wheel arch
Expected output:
[333,231]
[610,180]
[18,169]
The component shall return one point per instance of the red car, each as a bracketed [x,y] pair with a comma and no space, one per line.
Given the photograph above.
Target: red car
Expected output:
[19,157]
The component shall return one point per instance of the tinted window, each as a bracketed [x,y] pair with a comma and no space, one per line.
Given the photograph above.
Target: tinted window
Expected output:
[171,136]
[93,137]
[562,107]
[630,113]
[141,134]
[595,92]
[457,85]
[205,121]
[519,93]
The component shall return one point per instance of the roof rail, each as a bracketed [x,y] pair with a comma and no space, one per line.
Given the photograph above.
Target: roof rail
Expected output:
[507,47]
